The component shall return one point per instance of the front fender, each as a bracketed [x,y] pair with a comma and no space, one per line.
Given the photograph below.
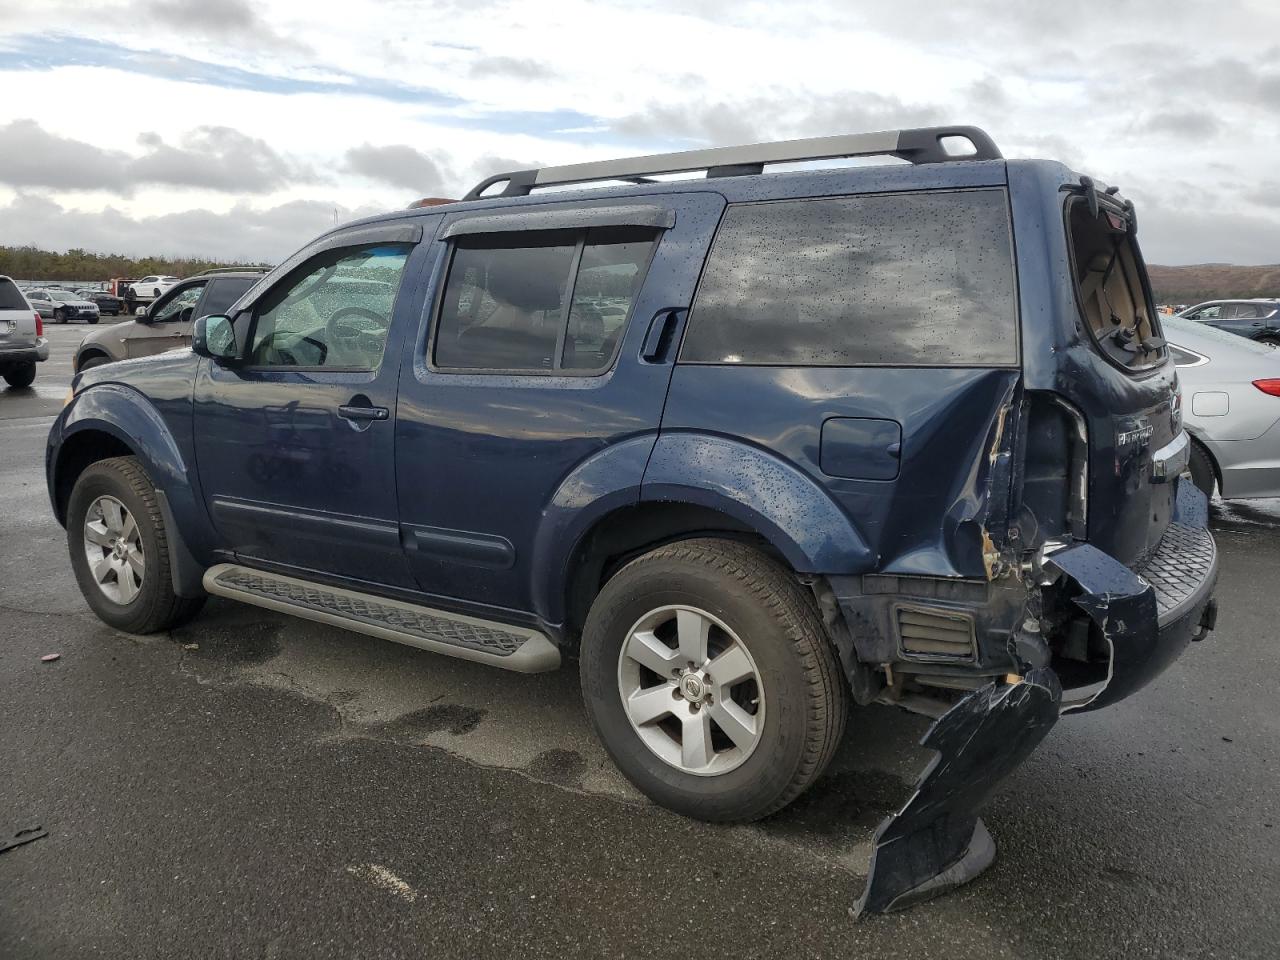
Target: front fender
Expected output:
[130,417]
[776,499]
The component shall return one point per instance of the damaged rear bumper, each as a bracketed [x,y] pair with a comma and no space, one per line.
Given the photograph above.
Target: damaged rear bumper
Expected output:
[1144,616]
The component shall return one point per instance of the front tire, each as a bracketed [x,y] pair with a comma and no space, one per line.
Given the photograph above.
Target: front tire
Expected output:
[93,319]
[95,361]
[59,316]
[711,682]
[21,374]
[119,549]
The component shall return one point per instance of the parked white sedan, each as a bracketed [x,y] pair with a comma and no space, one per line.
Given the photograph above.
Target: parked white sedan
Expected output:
[1231,408]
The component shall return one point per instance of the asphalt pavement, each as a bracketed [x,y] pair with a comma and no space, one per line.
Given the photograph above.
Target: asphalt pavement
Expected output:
[256,786]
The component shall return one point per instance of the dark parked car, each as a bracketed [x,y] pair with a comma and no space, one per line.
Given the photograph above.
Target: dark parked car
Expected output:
[166,324]
[107,303]
[842,440]
[1256,319]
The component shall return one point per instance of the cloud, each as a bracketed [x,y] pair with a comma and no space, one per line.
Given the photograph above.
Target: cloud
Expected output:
[519,68]
[780,114]
[233,21]
[244,233]
[399,165]
[209,158]
[1199,124]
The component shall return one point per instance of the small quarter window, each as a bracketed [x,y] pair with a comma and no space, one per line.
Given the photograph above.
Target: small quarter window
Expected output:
[540,301]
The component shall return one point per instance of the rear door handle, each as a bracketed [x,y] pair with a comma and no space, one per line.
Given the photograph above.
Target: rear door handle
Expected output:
[350,411]
[658,338]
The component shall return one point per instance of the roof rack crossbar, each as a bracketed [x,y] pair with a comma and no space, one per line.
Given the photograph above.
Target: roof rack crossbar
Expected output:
[919,145]
[216,270]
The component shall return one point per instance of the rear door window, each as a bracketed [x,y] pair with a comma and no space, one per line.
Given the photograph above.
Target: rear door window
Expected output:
[222,293]
[912,279]
[542,301]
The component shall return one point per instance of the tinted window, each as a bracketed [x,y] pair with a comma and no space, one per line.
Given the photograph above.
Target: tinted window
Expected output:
[223,293]
[333,311]
[924,278]
[547,300]
[11,297]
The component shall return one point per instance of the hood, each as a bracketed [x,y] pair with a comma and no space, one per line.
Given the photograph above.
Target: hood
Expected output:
[72,301]
[140,372]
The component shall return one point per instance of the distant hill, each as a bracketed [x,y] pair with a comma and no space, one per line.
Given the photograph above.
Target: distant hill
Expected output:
[1212,281]
[30,263]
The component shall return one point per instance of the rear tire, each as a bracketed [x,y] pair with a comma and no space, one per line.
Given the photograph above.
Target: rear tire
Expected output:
[1271,340]
[21,374]
[1202,473]
[113,502]
[793,681]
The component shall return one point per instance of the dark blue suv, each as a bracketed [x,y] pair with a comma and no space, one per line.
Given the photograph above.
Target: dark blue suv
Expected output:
[751,446]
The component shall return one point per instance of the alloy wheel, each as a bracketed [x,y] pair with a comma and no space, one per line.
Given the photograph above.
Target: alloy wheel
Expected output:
[113,547]
[691,690]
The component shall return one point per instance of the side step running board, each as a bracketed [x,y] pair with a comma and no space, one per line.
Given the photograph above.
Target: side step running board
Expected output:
[499,644]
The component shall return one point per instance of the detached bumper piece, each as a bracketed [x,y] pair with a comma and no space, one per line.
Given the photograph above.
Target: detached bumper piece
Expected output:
[936,841]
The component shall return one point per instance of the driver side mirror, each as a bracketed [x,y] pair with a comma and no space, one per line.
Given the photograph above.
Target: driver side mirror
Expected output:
[213,336]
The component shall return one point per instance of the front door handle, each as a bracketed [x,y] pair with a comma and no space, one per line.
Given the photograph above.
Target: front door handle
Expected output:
[350,411]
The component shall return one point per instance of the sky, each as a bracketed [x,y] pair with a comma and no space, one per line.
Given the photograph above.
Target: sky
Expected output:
[233,129]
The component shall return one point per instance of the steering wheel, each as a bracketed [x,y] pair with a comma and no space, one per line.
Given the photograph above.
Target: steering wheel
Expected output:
[357,338]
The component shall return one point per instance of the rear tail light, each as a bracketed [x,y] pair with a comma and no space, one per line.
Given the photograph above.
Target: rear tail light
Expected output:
[1268,386]
[39,326]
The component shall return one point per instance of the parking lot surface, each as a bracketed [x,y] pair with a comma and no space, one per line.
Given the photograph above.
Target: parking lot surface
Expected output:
[252,785]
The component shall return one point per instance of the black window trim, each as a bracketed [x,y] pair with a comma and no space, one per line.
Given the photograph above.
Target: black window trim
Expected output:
[570,218]
[436,305]
[1015,364]
[298,261]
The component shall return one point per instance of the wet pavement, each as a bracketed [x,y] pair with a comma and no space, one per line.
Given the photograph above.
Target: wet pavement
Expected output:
[251,785]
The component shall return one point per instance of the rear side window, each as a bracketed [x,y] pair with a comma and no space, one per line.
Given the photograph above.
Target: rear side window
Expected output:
[547,300]
[223,293]
[913,279]
[11,297]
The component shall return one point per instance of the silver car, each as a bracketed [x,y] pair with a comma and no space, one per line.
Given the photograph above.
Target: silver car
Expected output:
[1231,408]
[22,339]
[62,306]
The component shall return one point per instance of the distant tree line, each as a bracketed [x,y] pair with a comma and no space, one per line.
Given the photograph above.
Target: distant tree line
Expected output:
[31,263]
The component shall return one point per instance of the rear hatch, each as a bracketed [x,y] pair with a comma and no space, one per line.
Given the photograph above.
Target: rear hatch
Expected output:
[1123,383]
[17,317]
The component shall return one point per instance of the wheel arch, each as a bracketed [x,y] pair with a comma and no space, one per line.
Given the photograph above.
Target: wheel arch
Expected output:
[1198,443]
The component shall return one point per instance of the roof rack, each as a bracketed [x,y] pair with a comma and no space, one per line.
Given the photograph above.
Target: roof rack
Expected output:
[213,270]
[921,145]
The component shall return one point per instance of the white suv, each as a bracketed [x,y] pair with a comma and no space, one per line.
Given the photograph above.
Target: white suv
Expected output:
[148,289]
